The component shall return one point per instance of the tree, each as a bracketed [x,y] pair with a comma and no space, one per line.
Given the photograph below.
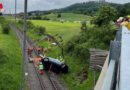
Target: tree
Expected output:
[83,27]
[5,28]
[59,15]
[105,15]
[41,30]
[45,18]
[124,12]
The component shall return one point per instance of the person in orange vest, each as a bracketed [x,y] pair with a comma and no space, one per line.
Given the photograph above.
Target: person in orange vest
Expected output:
[39,50]
[42,48]
[30,50]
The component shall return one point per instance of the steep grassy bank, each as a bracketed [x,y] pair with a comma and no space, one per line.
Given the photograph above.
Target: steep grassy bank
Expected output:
[79,77]
[10,61]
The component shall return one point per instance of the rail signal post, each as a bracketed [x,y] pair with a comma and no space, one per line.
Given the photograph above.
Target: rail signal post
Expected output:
[24,46]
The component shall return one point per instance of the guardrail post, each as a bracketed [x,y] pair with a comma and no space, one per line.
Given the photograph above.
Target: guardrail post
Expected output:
[118,35]
[114,50]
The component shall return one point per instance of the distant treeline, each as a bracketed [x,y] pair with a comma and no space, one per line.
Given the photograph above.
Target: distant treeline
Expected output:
[87,8]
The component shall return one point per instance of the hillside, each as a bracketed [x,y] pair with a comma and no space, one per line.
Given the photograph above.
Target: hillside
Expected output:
[68,17]
[87,8]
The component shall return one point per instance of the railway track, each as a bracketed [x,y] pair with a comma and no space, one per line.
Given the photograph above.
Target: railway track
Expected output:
[43,82]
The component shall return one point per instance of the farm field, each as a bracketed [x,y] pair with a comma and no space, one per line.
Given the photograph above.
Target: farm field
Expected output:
[69,17]
[67,30]
[10,62]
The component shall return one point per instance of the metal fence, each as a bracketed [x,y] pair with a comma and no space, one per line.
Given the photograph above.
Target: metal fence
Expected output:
[110,81]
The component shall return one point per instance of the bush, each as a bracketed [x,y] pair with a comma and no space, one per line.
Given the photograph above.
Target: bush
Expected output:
[2,20]
[36,17]
[105,15]
[21,22]
[59,15]
[94,37]
[83,27]
[82,52]
[30,25]
[41,30]
[45,18]
[5,28]
[69,46]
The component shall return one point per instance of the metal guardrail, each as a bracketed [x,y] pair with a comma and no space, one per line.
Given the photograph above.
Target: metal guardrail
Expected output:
[124,83]
[118,72]
[110,80]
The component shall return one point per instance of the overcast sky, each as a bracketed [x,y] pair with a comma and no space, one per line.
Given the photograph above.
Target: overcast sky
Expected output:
[45,4]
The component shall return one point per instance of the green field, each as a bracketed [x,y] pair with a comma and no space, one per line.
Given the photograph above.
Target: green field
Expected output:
[10,62]
[66,30]
[69,17]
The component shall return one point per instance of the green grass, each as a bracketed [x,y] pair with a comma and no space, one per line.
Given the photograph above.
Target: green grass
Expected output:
[10,62]
[75,75]
[67,30]
[69,17]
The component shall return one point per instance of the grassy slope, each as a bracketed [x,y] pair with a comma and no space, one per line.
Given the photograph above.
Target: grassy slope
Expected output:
[10,62]
[72,79]
[69,17]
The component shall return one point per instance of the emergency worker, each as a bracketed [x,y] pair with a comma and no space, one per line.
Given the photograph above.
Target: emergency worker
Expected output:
[39,50]
[45,50]
[41,68]
[30,50]
[126,23]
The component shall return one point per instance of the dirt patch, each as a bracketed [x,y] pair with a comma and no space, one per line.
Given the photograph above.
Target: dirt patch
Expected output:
[82,76]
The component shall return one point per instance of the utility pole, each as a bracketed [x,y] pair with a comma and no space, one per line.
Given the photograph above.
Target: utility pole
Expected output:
[24,46]
[15,10]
